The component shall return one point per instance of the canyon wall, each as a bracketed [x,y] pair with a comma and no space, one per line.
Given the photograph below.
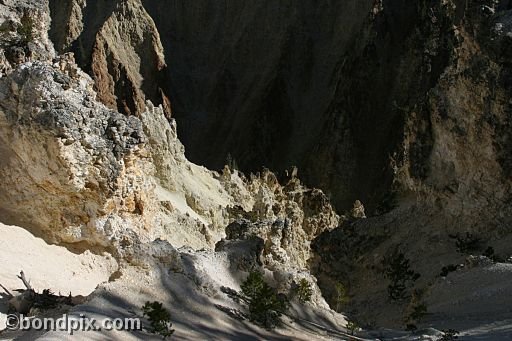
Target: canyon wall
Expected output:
[452,182]
[263,92]
[255,81]
[78,173]
[331,88]
[401,104]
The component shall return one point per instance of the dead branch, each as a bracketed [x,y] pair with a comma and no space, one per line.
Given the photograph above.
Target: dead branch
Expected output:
[9,295]
[29,299]
[24,280]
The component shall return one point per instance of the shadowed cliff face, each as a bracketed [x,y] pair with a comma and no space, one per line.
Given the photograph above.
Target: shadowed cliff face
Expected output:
[257,80]
[397,100]
[455,159]
[324,87]
[321,86]
[339,89]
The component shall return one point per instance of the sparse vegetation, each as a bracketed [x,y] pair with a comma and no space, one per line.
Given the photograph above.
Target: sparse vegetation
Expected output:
[266,306]
[419,312]
[304,291]
[489,253]
[416,310]
[341,295]
[388,203]
[467,242]
[26,29]
[410,327]
[397,268]
[159,318]
[352,327]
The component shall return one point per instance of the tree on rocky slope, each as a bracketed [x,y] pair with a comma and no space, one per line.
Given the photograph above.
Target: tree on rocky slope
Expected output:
[398,270]
[159,318]
[304,291]
[341,296]
[266,306]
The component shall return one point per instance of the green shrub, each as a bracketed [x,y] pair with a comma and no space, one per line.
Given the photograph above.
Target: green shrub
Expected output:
[447,269]
[388,203]
[265,305]
[397,268]
[466,243]
[26,30]
[159,318]
[411,327]
[416,310]
[340,295]
[489,253]
[304,291]
[352,327]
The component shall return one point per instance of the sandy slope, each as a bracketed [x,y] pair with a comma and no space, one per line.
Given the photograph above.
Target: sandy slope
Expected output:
[198,307]
[476,301]
[192,294]
[48,266]
[179,202]
[190,288]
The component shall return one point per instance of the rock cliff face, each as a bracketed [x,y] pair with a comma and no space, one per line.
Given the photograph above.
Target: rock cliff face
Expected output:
[404,105]
[119,45]
[265,91]
[81,174]
[261,93]
[452,173]
[344,85]
[287,218]
[63,149]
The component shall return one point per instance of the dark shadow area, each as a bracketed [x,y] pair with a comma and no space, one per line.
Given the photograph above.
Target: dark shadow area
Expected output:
[326,89]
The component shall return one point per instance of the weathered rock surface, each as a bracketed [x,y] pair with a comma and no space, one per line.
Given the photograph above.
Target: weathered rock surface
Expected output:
[118,44]
[452,174]
[286,217]
[67,160]
[348,86]
[74,171]
[401,104]
[24,33]
[79,173]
